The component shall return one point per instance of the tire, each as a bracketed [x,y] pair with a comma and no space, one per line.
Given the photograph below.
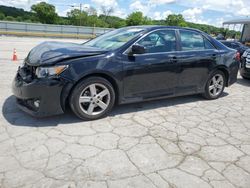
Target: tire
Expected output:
[90,104]
[214,90]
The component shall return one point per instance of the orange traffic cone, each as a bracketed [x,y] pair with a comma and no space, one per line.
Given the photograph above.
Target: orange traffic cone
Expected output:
[14,58]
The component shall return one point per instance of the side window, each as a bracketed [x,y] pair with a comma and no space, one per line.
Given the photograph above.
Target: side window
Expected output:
[194,41]
[159,41]
[208,44]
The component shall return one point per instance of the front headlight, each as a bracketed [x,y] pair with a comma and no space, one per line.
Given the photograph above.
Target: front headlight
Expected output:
[42,72]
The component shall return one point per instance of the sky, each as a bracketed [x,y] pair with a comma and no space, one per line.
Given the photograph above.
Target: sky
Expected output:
[212,12]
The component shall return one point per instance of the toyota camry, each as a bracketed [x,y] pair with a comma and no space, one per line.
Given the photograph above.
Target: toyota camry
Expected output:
[126,65]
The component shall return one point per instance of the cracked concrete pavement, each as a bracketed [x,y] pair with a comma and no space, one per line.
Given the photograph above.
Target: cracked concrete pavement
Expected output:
[181,142]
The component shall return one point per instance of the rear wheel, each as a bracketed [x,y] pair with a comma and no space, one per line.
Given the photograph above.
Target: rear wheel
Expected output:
[215,85]
[92,98]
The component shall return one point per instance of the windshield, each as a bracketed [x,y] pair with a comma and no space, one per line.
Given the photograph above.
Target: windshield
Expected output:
[114,39]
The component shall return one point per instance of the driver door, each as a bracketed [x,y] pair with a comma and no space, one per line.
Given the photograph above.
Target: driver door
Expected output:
[153,73]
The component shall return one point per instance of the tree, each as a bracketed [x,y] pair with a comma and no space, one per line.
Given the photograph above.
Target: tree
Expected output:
[113,21]
[63,21]
[2,16]
[136,18]
[148,21]
[176,20]
[89,18]
[91,11]
[92,20]
[116,22]
[77,17]
[9,18]
[107,11]
[45,12]
[19,18]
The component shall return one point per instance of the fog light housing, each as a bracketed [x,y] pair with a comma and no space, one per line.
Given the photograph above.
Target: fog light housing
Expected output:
[37,103]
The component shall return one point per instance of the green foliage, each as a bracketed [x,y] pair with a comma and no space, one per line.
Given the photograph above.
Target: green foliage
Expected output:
[14,12]
[2,16]
[112,21]
[158,22]
[9,18]
[92,20]
[206,28]
[77,17]
[45,12]
[18,18]
[176,20]
[137,18]
[63,21]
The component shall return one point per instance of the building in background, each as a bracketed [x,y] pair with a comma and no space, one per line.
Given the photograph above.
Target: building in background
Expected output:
[243,25]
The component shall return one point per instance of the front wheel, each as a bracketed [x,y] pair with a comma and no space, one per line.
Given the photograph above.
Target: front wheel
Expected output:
[215,85]
[92,98]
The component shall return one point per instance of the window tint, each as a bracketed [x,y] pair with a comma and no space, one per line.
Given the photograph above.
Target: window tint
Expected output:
[208,44]
[194,41]
[159,41]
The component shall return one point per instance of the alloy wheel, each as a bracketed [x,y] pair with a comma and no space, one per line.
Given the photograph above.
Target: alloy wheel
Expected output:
[94,99]
[216,85]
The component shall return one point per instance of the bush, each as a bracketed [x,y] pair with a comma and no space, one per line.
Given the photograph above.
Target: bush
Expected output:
[2,16]
[9,18]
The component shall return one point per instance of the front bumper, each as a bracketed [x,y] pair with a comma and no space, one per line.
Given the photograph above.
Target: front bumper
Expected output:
[44,92]
[244,70]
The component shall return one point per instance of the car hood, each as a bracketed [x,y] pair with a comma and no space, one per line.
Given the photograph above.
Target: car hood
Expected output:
[50,53]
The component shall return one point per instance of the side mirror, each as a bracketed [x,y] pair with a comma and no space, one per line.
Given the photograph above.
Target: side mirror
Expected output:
[138,49]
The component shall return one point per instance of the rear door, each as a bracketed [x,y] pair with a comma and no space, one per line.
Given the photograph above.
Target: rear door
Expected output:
[196,58]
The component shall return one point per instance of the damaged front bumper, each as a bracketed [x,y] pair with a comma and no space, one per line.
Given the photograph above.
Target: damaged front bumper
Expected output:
[38,97]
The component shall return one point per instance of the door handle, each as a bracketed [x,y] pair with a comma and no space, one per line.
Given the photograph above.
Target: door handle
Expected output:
[214,56]
[173,59]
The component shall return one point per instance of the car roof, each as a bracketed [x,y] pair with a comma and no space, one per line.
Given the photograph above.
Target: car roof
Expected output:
[154,27]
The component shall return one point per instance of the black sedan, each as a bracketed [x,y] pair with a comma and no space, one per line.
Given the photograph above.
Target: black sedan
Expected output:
[126,65]
[241,48]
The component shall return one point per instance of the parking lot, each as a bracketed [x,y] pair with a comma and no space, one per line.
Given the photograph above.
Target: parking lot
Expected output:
[184,142]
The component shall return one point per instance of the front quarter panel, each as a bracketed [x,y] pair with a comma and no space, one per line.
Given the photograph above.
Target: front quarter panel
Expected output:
[106,64]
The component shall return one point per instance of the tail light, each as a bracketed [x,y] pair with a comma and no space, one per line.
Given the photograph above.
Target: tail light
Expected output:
[237,56]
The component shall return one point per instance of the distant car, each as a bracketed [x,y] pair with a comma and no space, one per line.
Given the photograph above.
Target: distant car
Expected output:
[126,65]
[245,65]
[241,48]
[220,37]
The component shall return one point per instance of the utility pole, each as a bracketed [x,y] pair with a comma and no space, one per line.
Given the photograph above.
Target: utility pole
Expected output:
[74,6]
[80,14]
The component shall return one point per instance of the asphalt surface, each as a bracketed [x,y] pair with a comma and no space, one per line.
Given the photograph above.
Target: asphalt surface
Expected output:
[185,142]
